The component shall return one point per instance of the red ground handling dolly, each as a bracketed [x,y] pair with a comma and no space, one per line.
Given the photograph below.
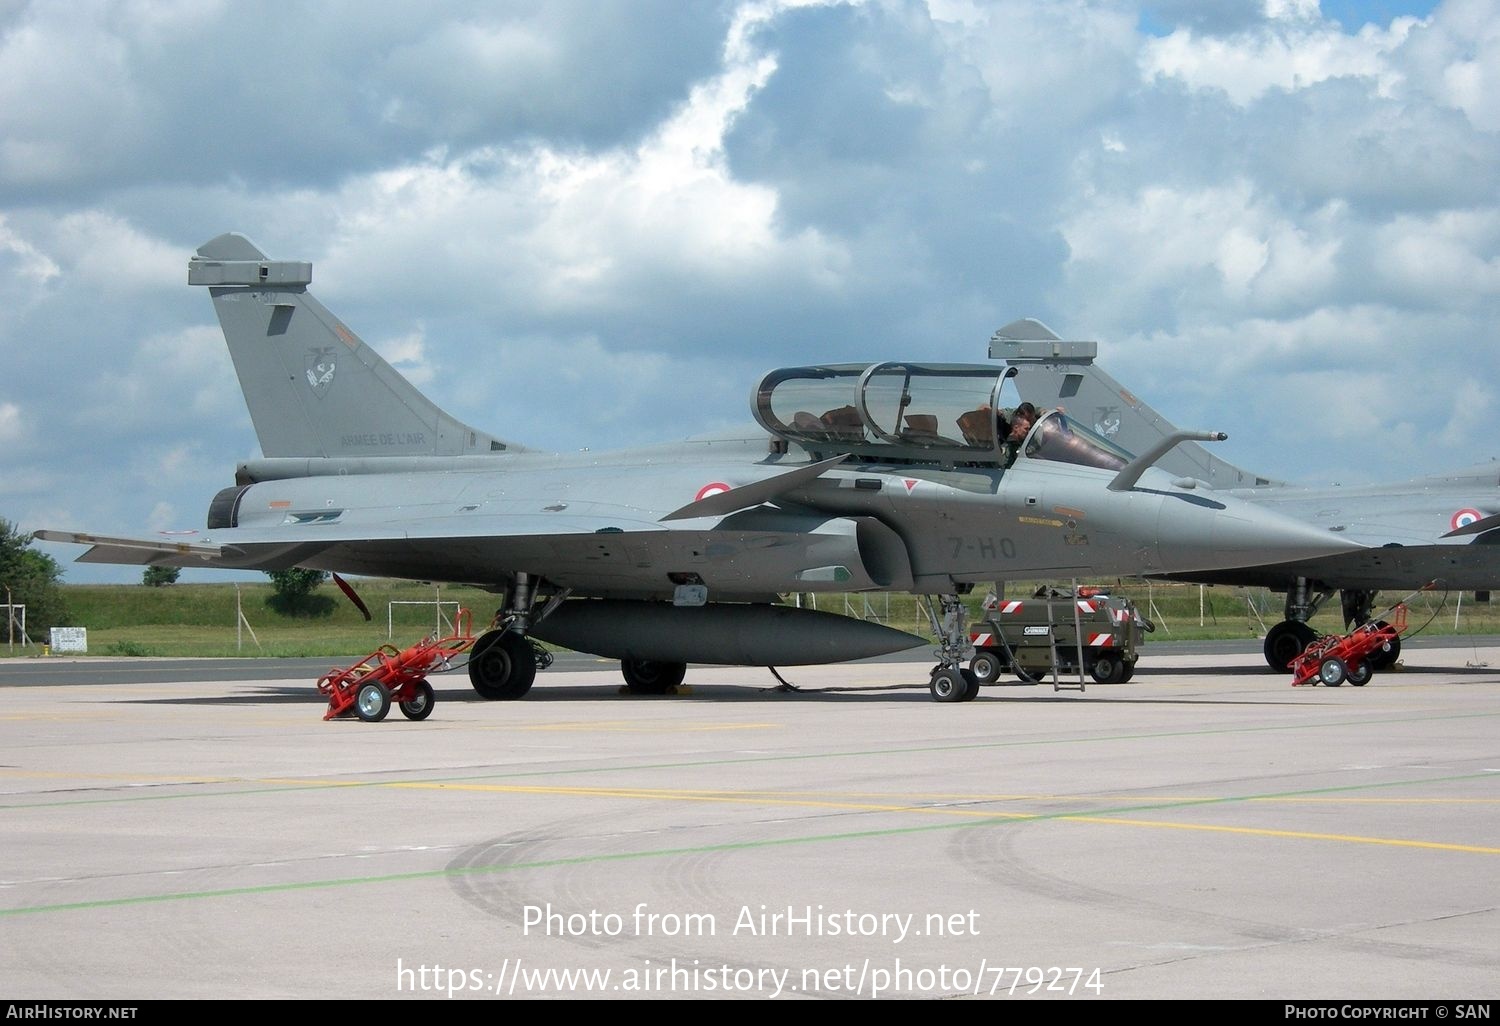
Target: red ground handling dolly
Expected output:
[1333,658]
[389,675]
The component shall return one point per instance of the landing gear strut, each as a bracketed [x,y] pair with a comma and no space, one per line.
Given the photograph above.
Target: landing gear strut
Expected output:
[951,681]
[503,662]
[1358,607]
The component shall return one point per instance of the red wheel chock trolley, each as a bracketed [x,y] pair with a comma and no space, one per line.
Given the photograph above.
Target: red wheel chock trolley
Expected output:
[389,674]
[1333,658]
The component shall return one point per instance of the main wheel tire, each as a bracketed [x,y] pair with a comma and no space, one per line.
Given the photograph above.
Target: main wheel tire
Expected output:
[1332,672]
[1285,642]
[420,707]
[949,685]
[1360,673]
[972,691]
[1129,672]
[1108,668]
[502,666]
[1386,655]
[649,677]
[372,702]
[986,666]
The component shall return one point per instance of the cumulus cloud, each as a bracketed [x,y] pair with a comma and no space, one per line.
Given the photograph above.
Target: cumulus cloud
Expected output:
[586,228]
[408,354]
[12,426]
[171,383]
[1292,49]
[23,268]
[1450,260]
[1224,246]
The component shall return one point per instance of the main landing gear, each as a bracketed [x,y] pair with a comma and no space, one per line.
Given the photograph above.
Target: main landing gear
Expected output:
[504,661]
[1287,640]
[951,680]
[649,677]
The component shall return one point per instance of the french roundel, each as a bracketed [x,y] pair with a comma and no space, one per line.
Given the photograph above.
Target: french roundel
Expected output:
[1465,517]
[713,488]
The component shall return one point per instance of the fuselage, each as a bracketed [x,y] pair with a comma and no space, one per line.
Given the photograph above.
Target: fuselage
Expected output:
[593,522]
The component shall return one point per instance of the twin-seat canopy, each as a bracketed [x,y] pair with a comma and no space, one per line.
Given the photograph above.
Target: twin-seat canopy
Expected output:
[920,412]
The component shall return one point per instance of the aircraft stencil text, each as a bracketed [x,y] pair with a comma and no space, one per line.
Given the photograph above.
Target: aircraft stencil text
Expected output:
[983,547]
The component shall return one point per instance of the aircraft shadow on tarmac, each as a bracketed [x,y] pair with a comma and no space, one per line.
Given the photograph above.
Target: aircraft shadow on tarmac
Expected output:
[726,693]
[263,696]
[1260,672]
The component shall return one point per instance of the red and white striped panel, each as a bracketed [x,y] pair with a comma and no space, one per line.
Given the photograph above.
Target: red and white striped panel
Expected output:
[1101,641]
[981,639]
[1009,608]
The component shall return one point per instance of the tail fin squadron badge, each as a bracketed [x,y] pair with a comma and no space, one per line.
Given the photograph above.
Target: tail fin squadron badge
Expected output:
[321,363]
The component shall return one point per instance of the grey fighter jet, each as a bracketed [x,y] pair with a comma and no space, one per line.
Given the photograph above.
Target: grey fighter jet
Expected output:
[888,476]
[1437,531]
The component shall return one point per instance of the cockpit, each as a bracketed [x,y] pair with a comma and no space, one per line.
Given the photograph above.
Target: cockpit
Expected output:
[950,414]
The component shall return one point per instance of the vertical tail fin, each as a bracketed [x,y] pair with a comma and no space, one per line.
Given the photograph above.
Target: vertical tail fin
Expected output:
[313,388]
[1052,372]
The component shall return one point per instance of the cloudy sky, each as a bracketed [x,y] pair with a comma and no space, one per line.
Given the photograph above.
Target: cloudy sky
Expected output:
[597,222]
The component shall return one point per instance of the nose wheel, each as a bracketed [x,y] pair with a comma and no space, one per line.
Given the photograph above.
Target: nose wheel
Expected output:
[951,681]
[953,684]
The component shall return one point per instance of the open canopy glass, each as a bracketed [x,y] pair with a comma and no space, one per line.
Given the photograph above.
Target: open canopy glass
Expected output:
[919,412]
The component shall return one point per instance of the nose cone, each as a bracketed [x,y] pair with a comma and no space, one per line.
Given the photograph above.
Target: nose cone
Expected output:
[1200,532]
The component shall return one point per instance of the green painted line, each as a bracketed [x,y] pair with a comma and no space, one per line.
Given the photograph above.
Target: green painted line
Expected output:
[986,821]
[438,874]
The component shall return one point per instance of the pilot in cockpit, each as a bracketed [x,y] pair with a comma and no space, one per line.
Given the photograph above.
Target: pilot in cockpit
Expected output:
[1021,420]
[1020,423]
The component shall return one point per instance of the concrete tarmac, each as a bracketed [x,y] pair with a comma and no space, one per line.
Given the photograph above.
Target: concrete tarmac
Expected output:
[1203,831]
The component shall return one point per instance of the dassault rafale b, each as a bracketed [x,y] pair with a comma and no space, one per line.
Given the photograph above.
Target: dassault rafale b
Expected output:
[1439,531]
[891,476]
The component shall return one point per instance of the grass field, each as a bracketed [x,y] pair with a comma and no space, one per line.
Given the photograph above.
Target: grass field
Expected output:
[201,619]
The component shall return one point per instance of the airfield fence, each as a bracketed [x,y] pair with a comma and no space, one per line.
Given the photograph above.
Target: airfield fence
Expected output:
[202,619]
[15,624]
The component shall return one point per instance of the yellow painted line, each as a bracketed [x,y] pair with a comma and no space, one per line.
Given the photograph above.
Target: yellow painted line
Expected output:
[903,804]
[759,798]
[629,727]
[1153,798]
[1386,801]
[853,800]
[1301,835]
[728,797]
